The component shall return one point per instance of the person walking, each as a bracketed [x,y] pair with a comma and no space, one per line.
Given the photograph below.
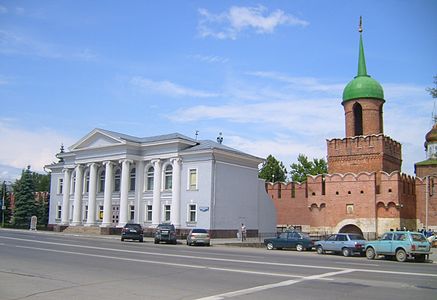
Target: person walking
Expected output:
[243,232]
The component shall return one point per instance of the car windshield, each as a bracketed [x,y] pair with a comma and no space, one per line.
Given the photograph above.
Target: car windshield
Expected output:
[304,235]
[417,237]
[199,231]
[355,237]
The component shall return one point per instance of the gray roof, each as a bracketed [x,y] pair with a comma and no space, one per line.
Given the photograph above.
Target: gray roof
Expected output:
[150,139]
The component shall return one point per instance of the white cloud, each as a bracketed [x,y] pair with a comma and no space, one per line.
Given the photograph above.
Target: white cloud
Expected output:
[169,88]
[210,58]
[228,25]
[36,147]
[308,116]
[12,43]
[308,84]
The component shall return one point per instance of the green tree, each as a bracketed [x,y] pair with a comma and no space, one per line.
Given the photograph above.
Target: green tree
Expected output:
[41,182]
[433,91]
[273,170]
[25,206]
[304,167]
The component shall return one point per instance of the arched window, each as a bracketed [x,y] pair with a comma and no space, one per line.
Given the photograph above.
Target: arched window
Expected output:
[168,177]
[132,180]
[358,119]
[102,182]
[149,178]
[117,180]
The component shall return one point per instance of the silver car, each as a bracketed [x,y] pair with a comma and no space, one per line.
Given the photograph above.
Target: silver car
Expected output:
[344,243]
[198,236]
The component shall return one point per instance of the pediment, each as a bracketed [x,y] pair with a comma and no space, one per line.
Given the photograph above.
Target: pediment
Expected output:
[96,139]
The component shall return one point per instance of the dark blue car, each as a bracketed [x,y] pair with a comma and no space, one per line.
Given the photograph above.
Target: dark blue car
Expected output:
[290,239]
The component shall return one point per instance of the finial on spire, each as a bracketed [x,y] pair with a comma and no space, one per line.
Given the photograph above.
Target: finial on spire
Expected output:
[360,28]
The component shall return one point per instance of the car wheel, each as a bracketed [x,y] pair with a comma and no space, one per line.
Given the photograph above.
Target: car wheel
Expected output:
[420,258]
[122,239]
[370,253]
[299,247]
[320,250]
[401,255]
[346,252]
[270,246]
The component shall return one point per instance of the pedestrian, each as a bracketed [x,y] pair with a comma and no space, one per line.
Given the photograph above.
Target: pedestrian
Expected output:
[243,232]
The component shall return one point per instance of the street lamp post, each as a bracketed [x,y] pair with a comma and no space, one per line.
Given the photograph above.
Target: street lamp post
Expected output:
[3,203]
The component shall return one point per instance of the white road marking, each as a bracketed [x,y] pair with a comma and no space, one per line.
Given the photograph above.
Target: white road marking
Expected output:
[273,285]
[223,259]
[357,264]
[163,263]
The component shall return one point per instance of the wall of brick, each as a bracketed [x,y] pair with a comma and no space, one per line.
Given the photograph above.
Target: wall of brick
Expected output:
[371,113]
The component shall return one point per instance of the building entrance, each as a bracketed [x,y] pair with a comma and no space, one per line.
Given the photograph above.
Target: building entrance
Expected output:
[115,214]
[350,228]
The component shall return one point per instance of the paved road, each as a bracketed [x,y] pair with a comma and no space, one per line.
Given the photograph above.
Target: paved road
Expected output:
[36,265]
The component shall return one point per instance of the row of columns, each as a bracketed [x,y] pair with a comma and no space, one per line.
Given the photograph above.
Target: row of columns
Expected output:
[124,191]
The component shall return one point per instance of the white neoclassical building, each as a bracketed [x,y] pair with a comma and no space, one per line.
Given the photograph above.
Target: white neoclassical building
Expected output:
[108,179]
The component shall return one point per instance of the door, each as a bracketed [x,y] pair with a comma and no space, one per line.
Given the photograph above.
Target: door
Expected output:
[115,214]
[385,244]
[330,243]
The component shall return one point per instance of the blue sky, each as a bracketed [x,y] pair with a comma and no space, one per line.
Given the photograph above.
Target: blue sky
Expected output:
[268,74]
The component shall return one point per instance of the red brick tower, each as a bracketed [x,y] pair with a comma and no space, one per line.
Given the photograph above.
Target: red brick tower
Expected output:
[365,148]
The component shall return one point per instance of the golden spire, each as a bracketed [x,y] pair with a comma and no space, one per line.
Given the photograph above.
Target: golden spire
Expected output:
[360,28]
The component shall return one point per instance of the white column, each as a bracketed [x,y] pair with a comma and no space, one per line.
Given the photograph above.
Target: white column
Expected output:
[156,204]
[176,192]
[91,218]
[124,191]
[107,201]
[66,197]
[78,191]
[139,187]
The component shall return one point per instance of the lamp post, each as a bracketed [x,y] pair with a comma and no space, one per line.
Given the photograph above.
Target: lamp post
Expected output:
[429,187]
[3,203]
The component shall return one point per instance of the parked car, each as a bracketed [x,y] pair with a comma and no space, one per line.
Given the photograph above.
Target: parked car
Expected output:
[401,245]
[165,233]
[132,232]
[198,236]
[344,243]
[290,239]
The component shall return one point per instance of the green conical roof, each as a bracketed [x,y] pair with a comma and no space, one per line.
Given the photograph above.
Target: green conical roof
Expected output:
[362,86]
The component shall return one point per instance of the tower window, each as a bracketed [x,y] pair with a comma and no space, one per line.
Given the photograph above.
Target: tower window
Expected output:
[358,119]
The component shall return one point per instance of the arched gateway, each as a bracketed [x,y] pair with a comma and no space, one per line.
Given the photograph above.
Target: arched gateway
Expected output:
[350,228]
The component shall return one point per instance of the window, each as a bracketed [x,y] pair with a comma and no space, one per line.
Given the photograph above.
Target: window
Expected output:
[167,213]
[332,237]
[168,177]
[102,182]
[400,237]
[149,179]
[60,186]
[132,212]
[132,180]
[192,179]
[74,184]
[117,180]
[341,237]
[358,119]
[101,212]
[349,209]
[387,237]
[149,213]
[85,216]
[59,212]
[87,182]
[192,213]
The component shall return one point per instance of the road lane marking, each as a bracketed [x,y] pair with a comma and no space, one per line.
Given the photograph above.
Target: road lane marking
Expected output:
[164,263]
[224,259]
[260,288]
